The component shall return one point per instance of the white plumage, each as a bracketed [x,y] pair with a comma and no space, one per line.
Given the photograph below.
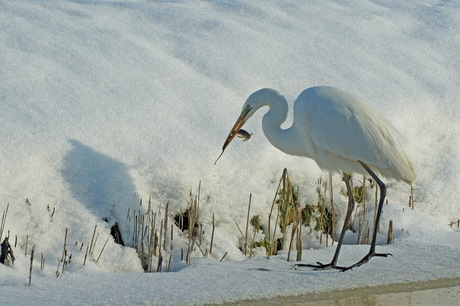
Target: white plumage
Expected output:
[338,130]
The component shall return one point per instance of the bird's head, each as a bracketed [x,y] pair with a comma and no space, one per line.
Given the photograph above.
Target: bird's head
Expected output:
[253,103]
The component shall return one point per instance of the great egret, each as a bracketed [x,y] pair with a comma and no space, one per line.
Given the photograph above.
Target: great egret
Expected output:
[341,133]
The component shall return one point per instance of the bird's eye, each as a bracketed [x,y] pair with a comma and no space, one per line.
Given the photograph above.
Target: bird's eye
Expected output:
[247,109]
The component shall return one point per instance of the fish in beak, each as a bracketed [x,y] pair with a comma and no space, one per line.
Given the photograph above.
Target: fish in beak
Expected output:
[235,131]
[236,128]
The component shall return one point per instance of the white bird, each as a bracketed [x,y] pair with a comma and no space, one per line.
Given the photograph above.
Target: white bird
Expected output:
[341,133]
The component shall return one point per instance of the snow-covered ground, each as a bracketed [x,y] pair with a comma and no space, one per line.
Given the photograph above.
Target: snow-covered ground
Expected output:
[106,102]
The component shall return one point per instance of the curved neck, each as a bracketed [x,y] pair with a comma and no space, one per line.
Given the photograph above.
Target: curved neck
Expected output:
[286,140]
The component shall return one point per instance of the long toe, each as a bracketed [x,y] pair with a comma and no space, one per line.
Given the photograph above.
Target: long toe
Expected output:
[366,258]
[320,266]
[383,254]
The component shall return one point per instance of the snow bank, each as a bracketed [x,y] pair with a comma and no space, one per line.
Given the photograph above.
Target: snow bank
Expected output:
[107,102]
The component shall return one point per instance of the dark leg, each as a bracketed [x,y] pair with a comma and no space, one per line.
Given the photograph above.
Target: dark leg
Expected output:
[383,191]
[351,206]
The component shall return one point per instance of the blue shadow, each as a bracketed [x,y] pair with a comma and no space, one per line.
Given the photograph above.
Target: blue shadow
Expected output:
[100,182]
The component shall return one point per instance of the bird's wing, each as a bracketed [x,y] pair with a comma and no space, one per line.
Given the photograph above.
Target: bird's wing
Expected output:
[343,125]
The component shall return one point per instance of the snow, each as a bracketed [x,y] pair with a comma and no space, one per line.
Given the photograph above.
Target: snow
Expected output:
[107,102]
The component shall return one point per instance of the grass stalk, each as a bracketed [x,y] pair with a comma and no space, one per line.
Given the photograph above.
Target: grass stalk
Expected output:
[299,240]
[331,196]
[31,264]
[64,251]
[169,263]
[273,245]
[42,262]
[391,236]
[92,240]
[172,238]
[270,238]
[197,208]
[102,250]
[86,255]
[246,244]
[160,256]
[192,215]
[376,204]
[165,225]
[294,228]
[411,197]
[2,225]
[212,233]
[57,270]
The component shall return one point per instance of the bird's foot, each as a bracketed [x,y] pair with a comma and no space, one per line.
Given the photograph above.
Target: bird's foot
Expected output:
[320,266]
[365,259]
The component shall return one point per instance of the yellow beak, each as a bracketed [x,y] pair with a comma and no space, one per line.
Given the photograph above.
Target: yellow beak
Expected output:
[238,125]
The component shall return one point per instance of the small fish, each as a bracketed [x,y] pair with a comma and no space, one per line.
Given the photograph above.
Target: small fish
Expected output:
[244,134]
[241,134]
